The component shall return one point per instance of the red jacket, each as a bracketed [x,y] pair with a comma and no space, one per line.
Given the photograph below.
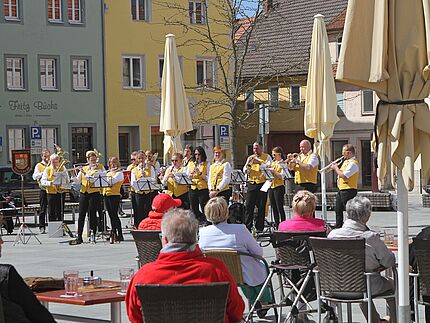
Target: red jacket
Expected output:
[152,222]
[184,268]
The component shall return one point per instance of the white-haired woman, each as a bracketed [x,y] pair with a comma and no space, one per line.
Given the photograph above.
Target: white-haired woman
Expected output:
[223,235]
[358,212]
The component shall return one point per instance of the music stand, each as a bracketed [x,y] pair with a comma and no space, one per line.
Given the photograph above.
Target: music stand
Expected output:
[237,177]
[286,174]
[268,174]
[147,184]
[182,179]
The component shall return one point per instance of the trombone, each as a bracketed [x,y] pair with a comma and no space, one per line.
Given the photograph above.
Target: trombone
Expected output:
[327,168]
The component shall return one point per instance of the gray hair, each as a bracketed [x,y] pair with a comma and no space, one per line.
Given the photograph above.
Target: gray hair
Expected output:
[359,209]
[54,156]
[179,226]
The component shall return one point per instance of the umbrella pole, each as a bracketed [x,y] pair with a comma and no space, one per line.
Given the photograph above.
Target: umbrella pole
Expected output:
[323,185]
[404,313]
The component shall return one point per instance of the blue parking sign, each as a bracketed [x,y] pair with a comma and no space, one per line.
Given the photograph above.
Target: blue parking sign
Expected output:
[224,131]
[36,132]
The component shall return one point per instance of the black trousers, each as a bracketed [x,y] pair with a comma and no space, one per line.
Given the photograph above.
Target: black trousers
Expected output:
[276,197]
[143,205]
[43,201]
[185,200]
[255,197]
[226,195]
[342,197]
[112,205]
[198,200]
[311,187]
[54,207]
[88,203]
[133,203]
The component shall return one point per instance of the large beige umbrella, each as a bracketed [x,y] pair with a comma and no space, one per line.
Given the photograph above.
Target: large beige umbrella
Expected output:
[320,105]
[175,118]
[386,48]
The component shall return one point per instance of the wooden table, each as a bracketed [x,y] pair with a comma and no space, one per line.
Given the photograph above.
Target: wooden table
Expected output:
[110,295]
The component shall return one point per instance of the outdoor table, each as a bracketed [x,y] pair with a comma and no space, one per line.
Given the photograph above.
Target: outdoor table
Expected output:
[101,296]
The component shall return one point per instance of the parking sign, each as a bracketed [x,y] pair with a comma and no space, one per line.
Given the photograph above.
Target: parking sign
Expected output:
[36,132]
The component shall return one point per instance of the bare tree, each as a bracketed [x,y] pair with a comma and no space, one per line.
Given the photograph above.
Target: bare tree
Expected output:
[226,30]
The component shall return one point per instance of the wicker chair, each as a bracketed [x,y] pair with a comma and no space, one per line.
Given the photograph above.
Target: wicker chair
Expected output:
[231,259]
[193,303]
[148,244]
[422,257]
[341,276]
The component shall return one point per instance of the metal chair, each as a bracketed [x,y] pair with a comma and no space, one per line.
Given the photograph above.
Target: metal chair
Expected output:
[192,303]
[148,244]
[422,257]
[341,276]
[231,259]
[292,254]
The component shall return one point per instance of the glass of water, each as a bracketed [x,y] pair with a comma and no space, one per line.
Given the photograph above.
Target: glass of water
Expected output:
[125,275]
[71,282]
[389,237]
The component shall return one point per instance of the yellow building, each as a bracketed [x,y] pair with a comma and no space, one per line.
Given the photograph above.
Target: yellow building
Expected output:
[134,44]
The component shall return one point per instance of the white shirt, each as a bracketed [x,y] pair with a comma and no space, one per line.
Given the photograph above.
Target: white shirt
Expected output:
[236,237]
[37,173]
[313,159]
[351,168]
[267,163]
[118,175]
[226,177]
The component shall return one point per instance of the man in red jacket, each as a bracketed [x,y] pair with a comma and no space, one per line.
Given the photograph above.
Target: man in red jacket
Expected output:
[160,205]
[181,262]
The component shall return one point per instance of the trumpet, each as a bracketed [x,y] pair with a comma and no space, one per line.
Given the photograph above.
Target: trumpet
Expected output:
[253,158]
[291,160]
[327,168]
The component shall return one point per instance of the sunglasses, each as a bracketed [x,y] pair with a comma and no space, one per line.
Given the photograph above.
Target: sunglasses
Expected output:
[133,159]
[196,154]
[174,160]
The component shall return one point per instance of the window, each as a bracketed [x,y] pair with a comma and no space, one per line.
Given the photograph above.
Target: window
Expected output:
[80,74]
[54,10]
[11,10]
[340,104]
[15,73]
[367,106]
[140,10]
[48,73]
[249,99]
[197,11]
[273,97]
[132,72]
[49,138]
[16,139]
[338,45]
[205,72]
[295,97]
[74,10]
[157,138]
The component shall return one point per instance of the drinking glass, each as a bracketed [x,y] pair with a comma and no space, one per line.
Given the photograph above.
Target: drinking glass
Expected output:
[71,281]
[125,275]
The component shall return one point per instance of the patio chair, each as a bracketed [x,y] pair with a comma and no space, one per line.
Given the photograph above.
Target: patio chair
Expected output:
[192,303]
[148,244]
[422,277]
[231,259]
[292,254]
[341,276]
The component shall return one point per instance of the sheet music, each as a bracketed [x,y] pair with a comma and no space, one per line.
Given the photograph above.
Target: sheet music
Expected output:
[238,176]
[60,178]
[266,186]
[182,178]
[146,184]
[100,173]
[286,174]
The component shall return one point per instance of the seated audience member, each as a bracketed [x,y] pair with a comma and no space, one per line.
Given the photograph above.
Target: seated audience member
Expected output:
[18,301]
[160,205]
[181,262]
[423,235]
[223,235]
[304,204]
[358,212]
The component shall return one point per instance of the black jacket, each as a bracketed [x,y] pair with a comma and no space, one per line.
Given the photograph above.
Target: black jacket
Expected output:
[19,303]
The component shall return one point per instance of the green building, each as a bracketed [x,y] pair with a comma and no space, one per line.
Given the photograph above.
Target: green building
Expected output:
[52,89]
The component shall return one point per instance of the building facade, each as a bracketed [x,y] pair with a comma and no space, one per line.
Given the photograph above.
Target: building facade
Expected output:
[135,38]
[52,89]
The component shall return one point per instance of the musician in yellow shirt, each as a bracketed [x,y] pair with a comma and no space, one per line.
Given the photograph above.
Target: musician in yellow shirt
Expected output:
[198,172]
[113,196]
[134,163]
[89,196]
[347,181]
[306,168]
[43,198]
[175,190]
[220,176]
[277,190]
